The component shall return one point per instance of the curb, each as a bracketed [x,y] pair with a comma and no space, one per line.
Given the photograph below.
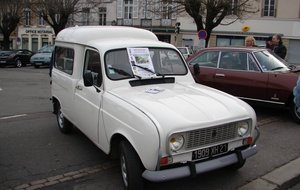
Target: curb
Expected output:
[279,179]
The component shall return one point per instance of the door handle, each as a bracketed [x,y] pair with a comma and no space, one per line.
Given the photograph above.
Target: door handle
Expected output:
[78,87]
[220,75]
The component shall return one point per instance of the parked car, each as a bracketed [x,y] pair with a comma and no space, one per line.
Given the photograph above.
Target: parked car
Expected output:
[17,58]
[136,99]
[42,57]
[186,51]
[253,74]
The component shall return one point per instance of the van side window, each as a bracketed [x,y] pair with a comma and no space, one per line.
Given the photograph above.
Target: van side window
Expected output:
[92,64]
[64,59]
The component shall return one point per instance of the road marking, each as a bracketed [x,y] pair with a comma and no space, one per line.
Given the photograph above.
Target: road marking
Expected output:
[72,175]
[13,116]
[0,89]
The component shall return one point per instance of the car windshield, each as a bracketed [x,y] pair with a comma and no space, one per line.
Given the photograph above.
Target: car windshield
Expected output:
[270,62]
[143,63]
[46,49]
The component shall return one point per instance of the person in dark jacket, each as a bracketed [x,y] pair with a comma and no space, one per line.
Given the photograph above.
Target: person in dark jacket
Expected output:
[269,44]
[278,46]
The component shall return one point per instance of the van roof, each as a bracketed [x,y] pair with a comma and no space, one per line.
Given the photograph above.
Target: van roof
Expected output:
[86,34]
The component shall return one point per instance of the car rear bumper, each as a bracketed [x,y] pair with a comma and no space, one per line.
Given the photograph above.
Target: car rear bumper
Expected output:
[198,168]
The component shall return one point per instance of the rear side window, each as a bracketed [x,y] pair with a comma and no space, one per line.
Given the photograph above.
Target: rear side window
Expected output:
[207,59]
[64,59]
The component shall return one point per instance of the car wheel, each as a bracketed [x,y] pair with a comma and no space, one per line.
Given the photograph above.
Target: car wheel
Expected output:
[131,167]
[18,63]
[295,114]
[64,125]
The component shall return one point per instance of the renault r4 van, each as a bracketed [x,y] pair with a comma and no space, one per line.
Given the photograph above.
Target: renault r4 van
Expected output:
[135,98]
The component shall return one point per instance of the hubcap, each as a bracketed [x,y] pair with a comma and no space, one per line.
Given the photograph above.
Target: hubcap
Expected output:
[124,170]
[19,63]
[60,119]
[296,112]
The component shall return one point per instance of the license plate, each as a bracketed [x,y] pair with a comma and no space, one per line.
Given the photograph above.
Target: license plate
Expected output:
[38,63]
[209,152]
[2,61]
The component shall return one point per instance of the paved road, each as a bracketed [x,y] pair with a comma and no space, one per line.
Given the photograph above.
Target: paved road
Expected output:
[34,153]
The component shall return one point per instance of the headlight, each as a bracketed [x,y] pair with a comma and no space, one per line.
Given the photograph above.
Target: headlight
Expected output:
[176,143]
[242,128]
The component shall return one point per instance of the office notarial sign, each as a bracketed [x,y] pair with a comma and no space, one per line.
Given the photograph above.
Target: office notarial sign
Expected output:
[38,31]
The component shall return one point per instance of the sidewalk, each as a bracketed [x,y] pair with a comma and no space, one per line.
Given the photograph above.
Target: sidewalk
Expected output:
[283,177]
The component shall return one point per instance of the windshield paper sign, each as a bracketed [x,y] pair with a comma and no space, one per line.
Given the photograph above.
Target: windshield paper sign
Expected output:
[141,62]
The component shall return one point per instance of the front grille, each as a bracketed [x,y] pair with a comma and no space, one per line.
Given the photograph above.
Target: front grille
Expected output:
[206,136]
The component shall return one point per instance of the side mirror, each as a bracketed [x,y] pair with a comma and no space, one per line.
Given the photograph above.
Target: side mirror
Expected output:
[196,69]
[88,78]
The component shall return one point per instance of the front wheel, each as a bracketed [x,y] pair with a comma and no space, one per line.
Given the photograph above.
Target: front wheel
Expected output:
[294,112]
[18,63]
[64,125]
[131,167]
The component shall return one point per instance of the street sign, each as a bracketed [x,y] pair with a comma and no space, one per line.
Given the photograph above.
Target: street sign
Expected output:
[202,34]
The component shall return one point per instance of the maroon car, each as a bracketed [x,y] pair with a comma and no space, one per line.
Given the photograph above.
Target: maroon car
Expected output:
[253,74]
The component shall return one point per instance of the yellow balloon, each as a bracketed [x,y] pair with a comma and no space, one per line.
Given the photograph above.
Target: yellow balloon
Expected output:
[246,28]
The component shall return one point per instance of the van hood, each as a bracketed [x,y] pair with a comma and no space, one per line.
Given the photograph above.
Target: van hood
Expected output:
[180,106]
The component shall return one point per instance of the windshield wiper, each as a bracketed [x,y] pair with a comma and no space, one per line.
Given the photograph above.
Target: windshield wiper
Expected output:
[122,72]
[149,70]
[276,68]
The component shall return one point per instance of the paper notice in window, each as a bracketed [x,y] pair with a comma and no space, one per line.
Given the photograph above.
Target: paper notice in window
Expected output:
[141,62]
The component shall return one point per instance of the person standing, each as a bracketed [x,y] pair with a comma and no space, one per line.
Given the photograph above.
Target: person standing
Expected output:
[250,41]
[269,44]
[278,47]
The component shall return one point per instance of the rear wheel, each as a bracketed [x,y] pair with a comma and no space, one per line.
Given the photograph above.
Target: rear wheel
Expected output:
[64,125]
[18,63]
[131,167]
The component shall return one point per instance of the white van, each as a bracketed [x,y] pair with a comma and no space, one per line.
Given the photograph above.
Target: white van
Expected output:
[119,86]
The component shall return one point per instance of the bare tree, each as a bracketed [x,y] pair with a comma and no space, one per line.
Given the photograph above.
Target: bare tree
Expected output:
[10,15]
[208,14]
[57,12]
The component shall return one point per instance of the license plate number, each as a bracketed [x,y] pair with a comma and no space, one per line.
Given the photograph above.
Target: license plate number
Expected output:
[209,152]
[2,61]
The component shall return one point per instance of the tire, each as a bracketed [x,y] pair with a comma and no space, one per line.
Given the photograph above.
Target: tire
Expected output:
[18,63]
[237,165]
[131,167]
[294,113]
[64,125]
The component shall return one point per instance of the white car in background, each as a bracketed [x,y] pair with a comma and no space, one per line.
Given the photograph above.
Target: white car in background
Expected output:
[186,51]
[138,104]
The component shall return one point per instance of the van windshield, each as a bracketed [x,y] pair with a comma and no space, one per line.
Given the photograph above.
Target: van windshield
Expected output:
[143,63]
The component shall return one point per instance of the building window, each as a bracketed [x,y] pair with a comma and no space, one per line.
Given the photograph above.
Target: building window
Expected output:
[234,7]
[102,16]
[166,10]
[41,20]
[85,16]
[27,16]
[128,9]
[269,8]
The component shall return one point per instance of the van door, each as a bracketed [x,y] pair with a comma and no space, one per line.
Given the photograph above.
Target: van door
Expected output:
[87,99]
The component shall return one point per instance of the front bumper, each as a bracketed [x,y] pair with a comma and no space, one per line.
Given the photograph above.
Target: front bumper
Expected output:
[198,168]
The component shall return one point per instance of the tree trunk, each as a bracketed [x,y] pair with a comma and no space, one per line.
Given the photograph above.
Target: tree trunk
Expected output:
[6,42]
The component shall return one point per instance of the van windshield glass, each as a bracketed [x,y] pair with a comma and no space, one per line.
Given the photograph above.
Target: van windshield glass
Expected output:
[143,63]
